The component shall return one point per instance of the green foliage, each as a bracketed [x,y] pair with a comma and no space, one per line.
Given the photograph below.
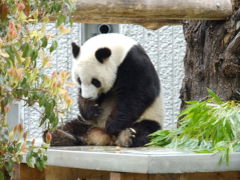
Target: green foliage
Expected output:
[15,144]
[210,126]
[1,176]
[25,49]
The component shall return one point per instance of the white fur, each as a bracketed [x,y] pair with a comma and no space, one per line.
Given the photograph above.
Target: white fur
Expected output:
[155,112]
[86,66]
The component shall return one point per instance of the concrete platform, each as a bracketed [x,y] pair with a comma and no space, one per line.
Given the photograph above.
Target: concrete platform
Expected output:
[139,160]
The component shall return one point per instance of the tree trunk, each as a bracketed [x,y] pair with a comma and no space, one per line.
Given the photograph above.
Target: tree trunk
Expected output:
[212,58]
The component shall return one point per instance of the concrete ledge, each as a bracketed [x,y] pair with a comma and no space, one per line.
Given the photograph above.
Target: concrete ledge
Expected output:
[139,160]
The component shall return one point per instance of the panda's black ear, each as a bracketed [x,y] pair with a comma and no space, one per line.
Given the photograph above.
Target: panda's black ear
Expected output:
[75,50]
[102,54]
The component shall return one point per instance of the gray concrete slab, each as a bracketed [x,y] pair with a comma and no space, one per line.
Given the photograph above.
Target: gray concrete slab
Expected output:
[139,160]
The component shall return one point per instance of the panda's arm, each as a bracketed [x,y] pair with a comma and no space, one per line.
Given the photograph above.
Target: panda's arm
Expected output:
[128,110]
[137,86]
[89,110]
[131,103]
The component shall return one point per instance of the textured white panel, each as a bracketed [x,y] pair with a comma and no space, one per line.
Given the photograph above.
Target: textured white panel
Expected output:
[62,61]
[166,48]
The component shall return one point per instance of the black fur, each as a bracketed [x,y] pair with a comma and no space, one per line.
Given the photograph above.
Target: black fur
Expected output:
[69,133]
[96,83]
[143,129]
[136,87]
[75,50]
[89,109]
[102,54]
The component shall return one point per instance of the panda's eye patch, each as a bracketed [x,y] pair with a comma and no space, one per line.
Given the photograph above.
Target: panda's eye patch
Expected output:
[96,82]
[79,80]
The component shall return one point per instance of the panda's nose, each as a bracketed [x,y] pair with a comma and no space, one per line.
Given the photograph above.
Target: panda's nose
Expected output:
[88,92]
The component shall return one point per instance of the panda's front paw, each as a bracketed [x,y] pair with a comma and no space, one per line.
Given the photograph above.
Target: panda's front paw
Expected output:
[125,138]
[91,111]
[96,110]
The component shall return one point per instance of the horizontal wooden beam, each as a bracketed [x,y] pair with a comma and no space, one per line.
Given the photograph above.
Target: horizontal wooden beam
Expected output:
[150,13]
[63,173]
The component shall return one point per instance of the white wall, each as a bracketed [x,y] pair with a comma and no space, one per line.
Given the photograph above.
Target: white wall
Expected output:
[166,48]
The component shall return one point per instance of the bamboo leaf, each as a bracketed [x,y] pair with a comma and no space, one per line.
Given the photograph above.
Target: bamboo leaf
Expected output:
[214,95]
[210,126]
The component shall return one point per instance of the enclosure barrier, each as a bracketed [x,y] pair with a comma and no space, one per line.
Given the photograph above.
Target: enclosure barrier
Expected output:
[103,163]
[88,163]
[151,14]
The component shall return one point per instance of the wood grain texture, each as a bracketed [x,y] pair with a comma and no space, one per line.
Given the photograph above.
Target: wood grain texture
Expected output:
[27,173]
[64,173]
[212,59]
[186,176]
[151,14]
[128,176]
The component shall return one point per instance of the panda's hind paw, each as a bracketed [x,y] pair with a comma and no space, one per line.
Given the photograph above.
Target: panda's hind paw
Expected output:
[125,138]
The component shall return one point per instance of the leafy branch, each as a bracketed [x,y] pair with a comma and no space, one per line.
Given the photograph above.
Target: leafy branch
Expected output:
[25,53]
[209,126]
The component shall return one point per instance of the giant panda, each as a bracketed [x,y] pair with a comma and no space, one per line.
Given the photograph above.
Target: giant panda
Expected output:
[120,99]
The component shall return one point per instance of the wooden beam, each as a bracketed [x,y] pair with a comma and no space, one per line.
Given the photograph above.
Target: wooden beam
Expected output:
[177,176]
[27,173]
[150,13]
[128,176]
[65,173]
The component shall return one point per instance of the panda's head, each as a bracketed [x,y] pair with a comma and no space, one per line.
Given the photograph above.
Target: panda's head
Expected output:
[96,63]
